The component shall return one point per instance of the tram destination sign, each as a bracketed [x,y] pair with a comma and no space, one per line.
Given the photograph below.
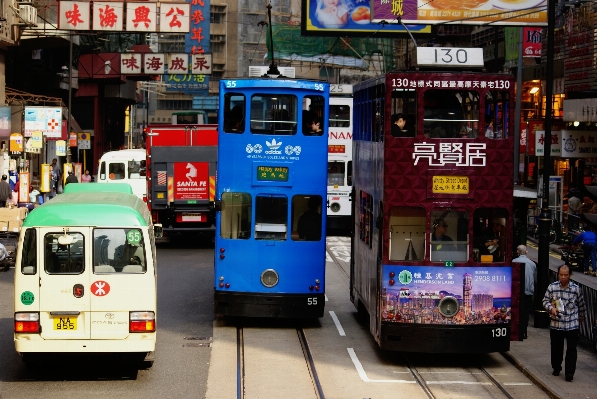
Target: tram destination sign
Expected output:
[450,185]
[450,57]
[272,173]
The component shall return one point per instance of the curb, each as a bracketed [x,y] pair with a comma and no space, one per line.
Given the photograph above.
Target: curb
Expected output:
[528,372]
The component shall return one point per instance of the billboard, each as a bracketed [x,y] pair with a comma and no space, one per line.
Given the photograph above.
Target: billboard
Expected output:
[471,12]
[47,120]
[351,18]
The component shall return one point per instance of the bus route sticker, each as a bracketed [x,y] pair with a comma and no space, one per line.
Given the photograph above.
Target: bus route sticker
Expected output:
[100,288]
[133,237]
[27,298]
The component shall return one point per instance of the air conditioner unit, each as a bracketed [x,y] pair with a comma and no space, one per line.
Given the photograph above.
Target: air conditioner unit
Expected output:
[257,71]
[28,14]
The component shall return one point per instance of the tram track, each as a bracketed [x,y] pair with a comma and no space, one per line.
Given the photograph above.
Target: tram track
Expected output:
[242,363]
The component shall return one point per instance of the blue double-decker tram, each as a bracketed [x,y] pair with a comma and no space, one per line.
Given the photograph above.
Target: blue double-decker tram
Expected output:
[270,240]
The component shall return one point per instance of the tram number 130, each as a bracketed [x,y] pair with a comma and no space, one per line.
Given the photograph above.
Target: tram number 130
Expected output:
[311,301]
[499,332]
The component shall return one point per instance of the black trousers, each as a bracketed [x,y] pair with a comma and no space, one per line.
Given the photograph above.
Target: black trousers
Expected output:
[527,308]
[557,349]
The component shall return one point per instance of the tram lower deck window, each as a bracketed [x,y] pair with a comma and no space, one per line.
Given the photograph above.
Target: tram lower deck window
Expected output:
[271,217]
[449,238]
[235,218]
[407,233]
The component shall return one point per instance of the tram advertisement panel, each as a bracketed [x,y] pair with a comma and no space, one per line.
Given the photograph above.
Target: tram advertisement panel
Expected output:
[412,294]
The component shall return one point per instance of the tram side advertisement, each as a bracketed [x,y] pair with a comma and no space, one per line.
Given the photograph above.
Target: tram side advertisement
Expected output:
[412,294]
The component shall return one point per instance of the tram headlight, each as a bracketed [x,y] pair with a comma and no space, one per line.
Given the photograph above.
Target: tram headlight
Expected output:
[448,306]
[269,278]
[335,207]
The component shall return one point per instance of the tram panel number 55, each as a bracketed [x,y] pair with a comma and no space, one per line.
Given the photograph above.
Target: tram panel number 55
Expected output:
[501,332]
[311,301]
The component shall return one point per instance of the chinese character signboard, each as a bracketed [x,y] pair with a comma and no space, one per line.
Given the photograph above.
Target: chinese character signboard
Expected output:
[108,16]
[531,42]
[578,144]
[48,120]
[412,296]
[556,143]
[16,143]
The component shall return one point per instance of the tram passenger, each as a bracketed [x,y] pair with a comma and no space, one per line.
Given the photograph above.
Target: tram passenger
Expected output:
[315,128]
[439,234]
[491,241]
[398,125]
[309,224]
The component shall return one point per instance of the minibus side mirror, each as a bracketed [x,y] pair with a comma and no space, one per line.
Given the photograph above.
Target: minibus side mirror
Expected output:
[158,231]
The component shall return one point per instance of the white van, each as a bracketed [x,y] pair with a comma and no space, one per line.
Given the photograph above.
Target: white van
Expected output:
[85,276]
[125,166]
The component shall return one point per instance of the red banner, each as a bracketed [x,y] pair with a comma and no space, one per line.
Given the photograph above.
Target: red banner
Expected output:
[531,42]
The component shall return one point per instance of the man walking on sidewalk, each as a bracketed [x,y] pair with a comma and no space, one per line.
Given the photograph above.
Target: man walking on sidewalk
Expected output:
[530,276]
[565,304]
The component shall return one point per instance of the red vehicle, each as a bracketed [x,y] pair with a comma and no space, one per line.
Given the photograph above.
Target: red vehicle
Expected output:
[181,170]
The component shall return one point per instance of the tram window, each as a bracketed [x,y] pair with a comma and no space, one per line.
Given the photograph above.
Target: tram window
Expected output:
[339,116]
[271,217]
[274,114]
[489,232]
[404,104]
[236,216]
[497,112]
[306,217]
[64,259]
[448,238]
[118,251]
[29,254]
[313,115]
[407,233]
[336,173]
[366,218]
[349,175]
[451,114]
[234,113]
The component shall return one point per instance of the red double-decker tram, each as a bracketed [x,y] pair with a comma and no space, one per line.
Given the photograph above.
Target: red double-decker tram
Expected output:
[431,266]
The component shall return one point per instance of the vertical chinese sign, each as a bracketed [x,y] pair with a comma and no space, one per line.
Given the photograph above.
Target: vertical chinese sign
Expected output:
[190,77]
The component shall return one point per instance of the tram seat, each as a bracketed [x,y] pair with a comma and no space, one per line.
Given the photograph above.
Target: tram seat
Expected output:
[104,269]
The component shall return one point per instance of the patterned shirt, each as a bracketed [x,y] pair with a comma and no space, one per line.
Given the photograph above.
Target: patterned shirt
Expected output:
[569,303]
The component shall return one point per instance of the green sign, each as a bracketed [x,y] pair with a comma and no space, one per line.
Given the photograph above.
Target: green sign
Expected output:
[27,298]
[191,201]
[405,277]
[449,263]
[133,237]
[272,173]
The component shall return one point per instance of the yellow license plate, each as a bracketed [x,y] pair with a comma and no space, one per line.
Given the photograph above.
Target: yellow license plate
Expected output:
[65,323]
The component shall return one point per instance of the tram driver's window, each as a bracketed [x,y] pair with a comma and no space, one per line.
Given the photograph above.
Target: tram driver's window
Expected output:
[274,114]
[407,233]
[490,234]
[403,113]
[271,217]
[336,172]
[234,113]
[451,114]
[29,253]
[235,216]
[306,218]
[448,238]
[497,113]
[313,116]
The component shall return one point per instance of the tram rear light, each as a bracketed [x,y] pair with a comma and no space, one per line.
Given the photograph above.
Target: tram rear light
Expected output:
[141,322]
[316,288]
[221,285]
[392,274]
[227,285]
[311,288]
[222,250]
[391,282]
[222,256]
[27,322]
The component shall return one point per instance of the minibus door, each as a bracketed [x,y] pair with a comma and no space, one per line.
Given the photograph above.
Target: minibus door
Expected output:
[65,297]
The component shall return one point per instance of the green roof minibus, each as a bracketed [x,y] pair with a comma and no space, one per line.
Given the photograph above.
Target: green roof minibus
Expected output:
[85,276]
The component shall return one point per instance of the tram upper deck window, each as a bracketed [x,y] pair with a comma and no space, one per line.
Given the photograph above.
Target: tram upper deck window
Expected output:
[451,114]
[306,217]
[336,172]
[407,233]
[404,106]
[236,216]
[274,114]
[497,112]
[489,230]
[271,217]
[449,239]
[313,115]
[234,113]
[339,116]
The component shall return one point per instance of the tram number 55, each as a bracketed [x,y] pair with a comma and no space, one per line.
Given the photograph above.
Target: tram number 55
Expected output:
[311,301]
[499,332]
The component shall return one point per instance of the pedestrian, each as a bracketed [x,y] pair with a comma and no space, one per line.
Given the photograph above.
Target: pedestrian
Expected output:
[530,276]
[86,178]
[71,178]
[589,248]
[565,304]
[5,191]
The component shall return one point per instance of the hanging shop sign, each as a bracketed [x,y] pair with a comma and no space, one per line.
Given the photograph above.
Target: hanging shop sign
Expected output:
[47,120]
[16,144]
[60,148]
[46,175]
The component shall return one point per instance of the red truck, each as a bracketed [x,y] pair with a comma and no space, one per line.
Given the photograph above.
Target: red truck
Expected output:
[181,171]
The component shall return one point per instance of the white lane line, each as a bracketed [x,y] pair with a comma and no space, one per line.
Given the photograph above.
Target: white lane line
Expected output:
[337,323]
[326,297]
[517,383]
[363,375]
[457,382]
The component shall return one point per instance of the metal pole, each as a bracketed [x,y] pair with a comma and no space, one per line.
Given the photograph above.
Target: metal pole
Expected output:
[541,316]
[70,94]
[517,110]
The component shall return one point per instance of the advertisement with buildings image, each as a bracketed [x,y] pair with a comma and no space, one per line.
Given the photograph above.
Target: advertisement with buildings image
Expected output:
[412,294]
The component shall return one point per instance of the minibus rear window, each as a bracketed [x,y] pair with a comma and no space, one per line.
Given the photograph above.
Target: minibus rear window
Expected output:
[64,259]
[118,251]
[29,253]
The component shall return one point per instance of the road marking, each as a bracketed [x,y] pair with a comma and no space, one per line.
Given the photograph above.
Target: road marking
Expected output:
[517,383]
[326,297]
[337,323]
[363,374]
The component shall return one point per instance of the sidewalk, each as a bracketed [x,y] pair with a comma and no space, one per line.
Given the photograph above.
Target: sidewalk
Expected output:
[532,357]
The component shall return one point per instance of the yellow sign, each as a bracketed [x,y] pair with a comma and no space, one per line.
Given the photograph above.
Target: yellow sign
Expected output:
[450,185]
[16,143]
[46,175]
